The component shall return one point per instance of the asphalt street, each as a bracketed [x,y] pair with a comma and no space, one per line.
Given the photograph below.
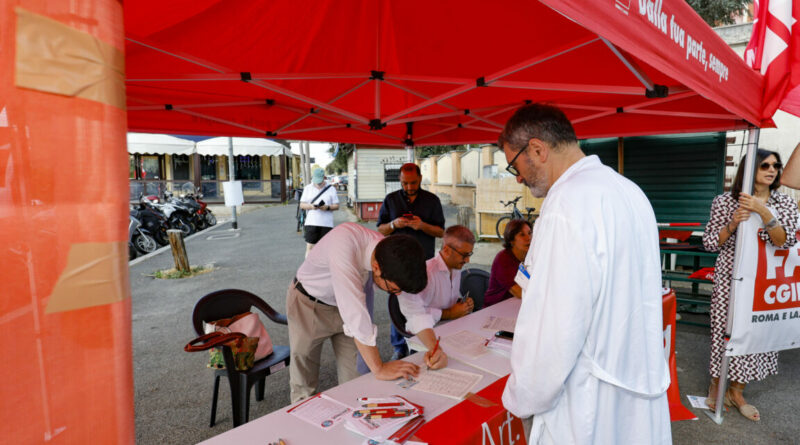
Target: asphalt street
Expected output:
[173,388]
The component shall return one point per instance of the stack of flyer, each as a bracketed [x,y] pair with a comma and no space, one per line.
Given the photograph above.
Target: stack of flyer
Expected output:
[385,420]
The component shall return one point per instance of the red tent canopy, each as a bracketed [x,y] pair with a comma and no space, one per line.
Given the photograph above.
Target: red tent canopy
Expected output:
[448,72]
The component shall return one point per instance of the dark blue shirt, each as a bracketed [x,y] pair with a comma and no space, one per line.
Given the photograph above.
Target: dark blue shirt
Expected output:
[426,206]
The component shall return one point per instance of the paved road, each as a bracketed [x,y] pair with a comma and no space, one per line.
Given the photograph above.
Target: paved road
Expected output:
[173,388]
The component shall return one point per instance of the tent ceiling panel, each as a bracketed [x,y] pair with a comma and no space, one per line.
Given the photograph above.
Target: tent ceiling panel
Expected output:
[367,68]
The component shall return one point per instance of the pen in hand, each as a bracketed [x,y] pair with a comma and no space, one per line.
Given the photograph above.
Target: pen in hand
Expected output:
[435,348]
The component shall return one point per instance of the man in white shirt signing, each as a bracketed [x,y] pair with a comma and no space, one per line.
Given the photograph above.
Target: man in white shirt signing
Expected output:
[587,360]
[326,300]
[441,299]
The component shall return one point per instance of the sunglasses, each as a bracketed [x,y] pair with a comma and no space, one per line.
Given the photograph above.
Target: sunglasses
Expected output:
[766,165]
[510,167]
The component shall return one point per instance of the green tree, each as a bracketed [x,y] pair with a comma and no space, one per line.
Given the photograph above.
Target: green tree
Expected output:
[434,150]
[718,12]
[339,163]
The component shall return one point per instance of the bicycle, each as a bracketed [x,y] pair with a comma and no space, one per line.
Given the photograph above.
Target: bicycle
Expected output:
[300,214]
[515,214]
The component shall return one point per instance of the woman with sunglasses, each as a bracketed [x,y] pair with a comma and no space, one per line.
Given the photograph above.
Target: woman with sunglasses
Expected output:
[778,213]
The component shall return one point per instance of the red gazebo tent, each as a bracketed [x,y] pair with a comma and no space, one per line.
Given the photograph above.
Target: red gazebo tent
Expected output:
[373,72]
[388,73]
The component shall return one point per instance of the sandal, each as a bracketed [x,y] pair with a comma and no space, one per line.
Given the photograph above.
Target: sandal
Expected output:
[747,410]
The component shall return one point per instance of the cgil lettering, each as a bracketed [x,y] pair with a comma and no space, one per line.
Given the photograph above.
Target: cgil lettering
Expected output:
[652,9]
[782,293]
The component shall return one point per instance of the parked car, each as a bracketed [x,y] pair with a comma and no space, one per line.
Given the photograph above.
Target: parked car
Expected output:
[340,182]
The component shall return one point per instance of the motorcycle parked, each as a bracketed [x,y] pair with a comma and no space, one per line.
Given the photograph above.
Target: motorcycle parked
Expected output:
[178,217]
[153,220]
[140,238]
[191,207]
[204,216]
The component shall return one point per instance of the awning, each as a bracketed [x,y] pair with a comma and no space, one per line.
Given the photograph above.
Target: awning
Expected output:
[159,144]
[388,73]
[241,147]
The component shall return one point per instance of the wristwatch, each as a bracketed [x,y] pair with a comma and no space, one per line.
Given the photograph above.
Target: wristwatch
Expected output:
[391,224]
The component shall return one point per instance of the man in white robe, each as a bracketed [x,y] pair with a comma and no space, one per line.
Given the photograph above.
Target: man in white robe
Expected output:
[588,357]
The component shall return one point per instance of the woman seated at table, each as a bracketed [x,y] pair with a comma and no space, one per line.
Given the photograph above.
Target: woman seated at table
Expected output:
[516,240]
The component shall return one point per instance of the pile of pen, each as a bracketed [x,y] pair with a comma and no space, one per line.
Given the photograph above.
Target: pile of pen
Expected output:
[384,410]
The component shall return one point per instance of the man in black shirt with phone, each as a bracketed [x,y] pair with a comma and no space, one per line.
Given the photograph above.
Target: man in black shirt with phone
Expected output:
[411,211]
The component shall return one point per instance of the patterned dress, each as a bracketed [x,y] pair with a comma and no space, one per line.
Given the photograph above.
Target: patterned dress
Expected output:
[744,368]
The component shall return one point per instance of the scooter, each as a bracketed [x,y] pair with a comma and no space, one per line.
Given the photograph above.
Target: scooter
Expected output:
[178,218]
[153,220]
[141,240]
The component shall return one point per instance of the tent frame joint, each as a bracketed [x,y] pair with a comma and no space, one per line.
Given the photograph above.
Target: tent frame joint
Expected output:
[246,76]
[376,75]
[376,124]
[658,91]
[481,82]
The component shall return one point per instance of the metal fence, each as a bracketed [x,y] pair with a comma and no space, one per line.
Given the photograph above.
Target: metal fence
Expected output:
[254,190]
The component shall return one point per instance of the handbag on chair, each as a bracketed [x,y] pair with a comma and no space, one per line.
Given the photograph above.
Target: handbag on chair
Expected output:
[246,323]
[242,347]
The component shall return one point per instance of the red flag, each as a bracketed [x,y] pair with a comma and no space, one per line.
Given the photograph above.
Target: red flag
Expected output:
[774,50]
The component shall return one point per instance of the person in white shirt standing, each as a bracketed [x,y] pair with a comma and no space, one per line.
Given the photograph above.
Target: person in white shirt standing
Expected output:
[326,300]
[441,299]
[588,354]
[319,199]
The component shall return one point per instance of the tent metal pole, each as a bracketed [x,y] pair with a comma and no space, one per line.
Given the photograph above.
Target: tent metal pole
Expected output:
[309,100]
[570,87]
[231,177]
[631,65]
[308,160]
[747,187]
[301,130]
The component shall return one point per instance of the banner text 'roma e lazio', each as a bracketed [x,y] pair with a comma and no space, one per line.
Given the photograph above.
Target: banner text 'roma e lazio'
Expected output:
[767,307]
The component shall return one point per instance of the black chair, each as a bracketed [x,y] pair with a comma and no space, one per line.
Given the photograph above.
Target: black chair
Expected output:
[475,281]
[225,304]
[397,317]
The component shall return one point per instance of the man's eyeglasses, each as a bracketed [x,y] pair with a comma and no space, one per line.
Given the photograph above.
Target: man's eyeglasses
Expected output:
[510,167]
[766,165]
[463,255]
[386,286]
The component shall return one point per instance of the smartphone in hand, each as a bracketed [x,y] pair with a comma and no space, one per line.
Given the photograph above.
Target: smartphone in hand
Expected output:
[408,215]
[504,334]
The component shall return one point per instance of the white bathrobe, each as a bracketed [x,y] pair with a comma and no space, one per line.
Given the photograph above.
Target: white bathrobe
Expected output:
[588,355]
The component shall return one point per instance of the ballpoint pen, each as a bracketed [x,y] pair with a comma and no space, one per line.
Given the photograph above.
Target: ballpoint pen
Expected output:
[371,405]
[435,348]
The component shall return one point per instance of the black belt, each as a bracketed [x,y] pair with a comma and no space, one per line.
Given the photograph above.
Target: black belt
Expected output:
[302,290]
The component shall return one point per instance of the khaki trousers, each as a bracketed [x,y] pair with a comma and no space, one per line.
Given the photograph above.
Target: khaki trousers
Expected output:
[310,324]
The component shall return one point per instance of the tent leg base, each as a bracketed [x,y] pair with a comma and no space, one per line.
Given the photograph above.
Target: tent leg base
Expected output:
[713,416]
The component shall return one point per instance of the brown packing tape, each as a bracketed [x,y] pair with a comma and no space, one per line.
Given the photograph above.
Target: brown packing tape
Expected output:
[55,58]
[95,275]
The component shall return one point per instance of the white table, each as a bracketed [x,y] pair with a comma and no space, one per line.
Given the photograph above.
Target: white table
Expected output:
[493,361]
[294,431]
